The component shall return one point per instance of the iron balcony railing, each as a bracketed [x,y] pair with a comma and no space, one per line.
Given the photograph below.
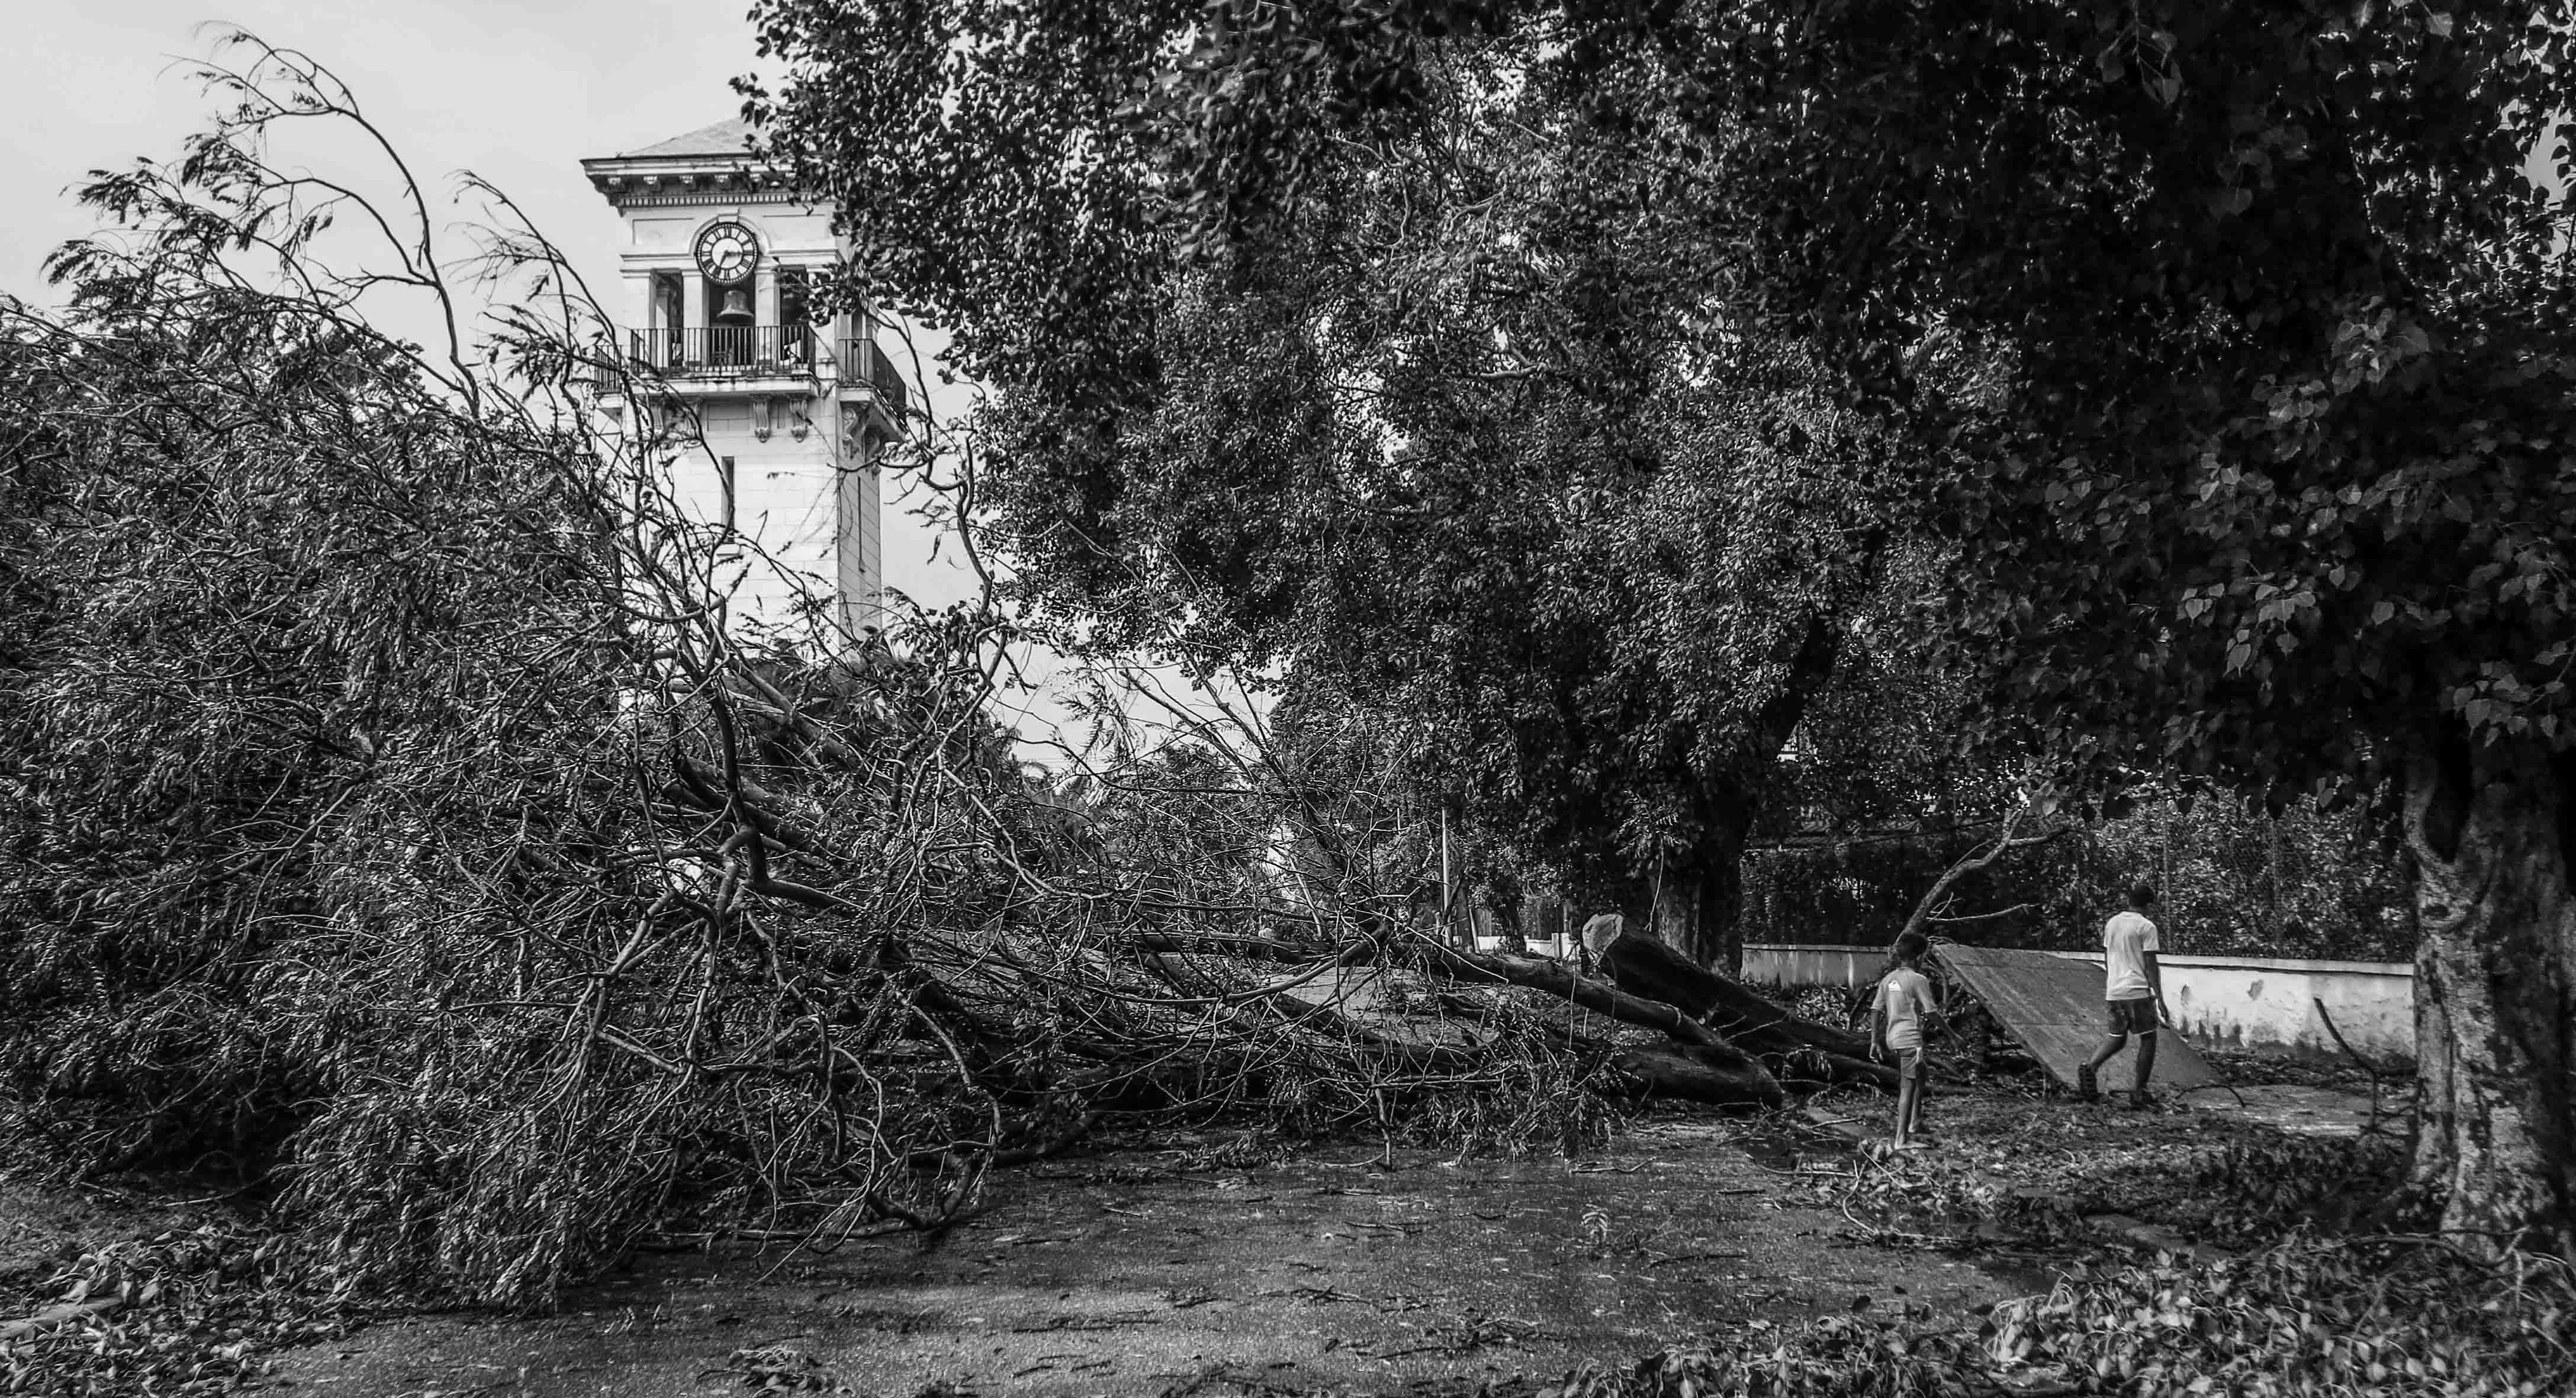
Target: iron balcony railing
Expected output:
[757,352]
[726,351]
[863,363]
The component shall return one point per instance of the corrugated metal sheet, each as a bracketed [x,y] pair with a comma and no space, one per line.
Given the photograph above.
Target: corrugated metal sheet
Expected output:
[2053,1006]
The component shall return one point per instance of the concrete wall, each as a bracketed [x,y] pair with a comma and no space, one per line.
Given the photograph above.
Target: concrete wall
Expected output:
[1797,967]
[2250,1002]
[1561,948]
[2235,1001]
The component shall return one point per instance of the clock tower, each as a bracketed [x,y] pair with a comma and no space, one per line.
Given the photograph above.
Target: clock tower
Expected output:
[723,268]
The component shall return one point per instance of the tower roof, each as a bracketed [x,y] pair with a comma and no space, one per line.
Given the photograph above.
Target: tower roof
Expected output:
[715,158]
[731,136]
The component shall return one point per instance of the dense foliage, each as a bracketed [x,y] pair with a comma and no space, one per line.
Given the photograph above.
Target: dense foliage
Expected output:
[2235,337]
[324,728]
[1454,451]
[390,816]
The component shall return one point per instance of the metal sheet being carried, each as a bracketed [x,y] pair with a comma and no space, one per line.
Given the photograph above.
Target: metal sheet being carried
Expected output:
[2053,1006]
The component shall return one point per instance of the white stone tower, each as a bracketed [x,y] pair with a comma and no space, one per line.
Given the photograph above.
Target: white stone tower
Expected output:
[722,266]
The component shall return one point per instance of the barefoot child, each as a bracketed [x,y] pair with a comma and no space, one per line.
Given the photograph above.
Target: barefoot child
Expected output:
[1896,1031]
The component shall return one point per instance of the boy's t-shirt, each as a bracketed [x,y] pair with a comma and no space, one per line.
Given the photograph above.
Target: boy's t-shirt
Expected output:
[1903,996]
[2126,939]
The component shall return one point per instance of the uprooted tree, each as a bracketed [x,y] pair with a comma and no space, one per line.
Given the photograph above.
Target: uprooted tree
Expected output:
[2238,333]
[388,809]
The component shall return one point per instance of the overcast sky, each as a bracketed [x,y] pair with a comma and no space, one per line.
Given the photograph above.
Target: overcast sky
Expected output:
[518,91]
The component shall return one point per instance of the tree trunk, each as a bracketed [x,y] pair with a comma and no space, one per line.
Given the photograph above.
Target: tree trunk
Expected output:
[1698,908]
[2491,828]
[1700,912]
[1647,968]
[1698,1075]
[1699,1064]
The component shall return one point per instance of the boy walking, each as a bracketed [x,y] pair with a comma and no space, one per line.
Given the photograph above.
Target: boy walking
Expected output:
[2133,992]
[1896,1031]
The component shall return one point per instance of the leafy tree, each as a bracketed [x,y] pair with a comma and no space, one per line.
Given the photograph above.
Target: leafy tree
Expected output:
[2268,480]
[1453,449]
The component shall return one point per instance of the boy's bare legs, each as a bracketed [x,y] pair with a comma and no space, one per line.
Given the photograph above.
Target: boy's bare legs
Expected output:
[2110,1048]
[2085,1084]
[2146,1067]
[1906,1092]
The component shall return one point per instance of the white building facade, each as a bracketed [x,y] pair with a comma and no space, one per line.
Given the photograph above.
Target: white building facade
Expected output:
[722,271]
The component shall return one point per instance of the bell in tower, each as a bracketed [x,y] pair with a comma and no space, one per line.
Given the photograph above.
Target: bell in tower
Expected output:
[736,307]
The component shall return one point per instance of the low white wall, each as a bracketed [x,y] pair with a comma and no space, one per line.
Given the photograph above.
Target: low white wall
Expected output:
[2236,1001]
[2257,1002]
[1561,948]
[1805,966]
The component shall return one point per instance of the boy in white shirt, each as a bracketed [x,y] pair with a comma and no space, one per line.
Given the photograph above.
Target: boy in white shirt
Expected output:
[1896,1031]
[2133,992]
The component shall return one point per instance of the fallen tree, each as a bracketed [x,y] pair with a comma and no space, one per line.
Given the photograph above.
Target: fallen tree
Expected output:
[390,811]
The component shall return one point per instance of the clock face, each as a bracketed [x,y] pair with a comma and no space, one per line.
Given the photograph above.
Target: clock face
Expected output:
[727,251]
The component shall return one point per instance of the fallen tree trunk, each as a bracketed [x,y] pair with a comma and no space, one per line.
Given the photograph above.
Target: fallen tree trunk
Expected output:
[1645,967]
[1697,1074]
[1651,970]
[1704,1065]
[1730,1047]
[1558,979]
[1654,986]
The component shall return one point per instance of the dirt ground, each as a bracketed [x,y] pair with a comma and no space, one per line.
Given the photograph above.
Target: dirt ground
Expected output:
[1156,1271]
[1130,1274]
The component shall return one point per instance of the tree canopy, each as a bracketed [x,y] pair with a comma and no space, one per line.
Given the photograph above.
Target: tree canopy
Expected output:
[2232,338]
[1457,446]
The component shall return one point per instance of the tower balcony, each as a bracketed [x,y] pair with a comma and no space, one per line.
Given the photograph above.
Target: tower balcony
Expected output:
[725,352]
[863,364]
[731,359]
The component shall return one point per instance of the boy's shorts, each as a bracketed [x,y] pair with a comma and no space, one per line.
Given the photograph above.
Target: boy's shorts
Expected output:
[2133,1016]
[1909,1065]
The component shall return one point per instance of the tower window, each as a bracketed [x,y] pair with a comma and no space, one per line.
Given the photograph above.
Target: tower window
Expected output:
[724,488]
[668,317]
[795,296]
[795,311]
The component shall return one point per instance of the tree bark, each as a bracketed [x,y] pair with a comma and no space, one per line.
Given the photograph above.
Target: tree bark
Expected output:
[1699,912]
[1727,1045]
[1702,912]
[1507,923]
[1674,1070]
[1558,979]
[2491,828]
[1652,971]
